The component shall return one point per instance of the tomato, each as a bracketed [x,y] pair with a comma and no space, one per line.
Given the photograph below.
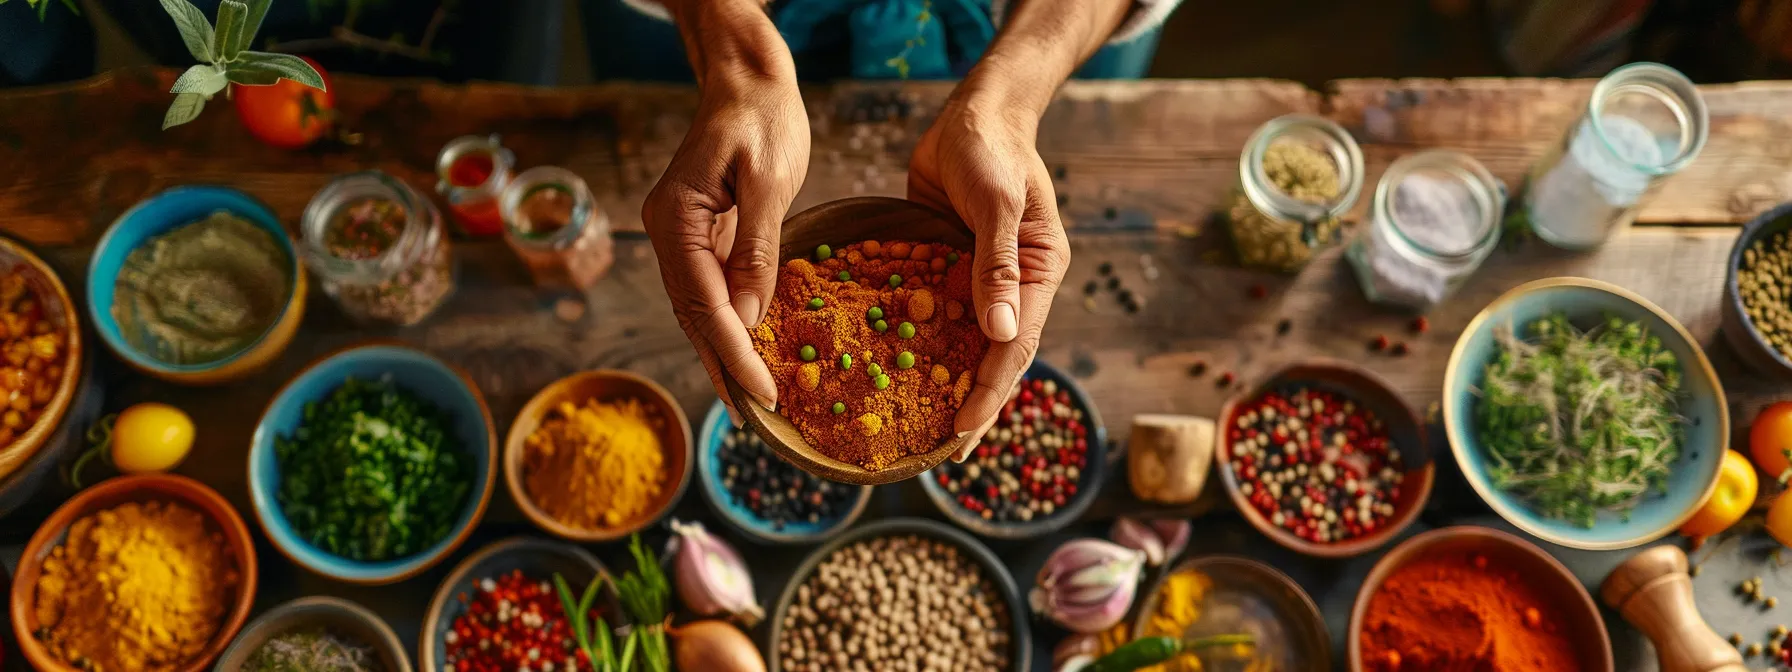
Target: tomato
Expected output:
[1779,520]
[286,114]
[1735,493]
[150,437]
[1770,438]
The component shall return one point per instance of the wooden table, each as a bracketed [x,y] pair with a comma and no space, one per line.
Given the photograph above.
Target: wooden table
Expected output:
[1141,166]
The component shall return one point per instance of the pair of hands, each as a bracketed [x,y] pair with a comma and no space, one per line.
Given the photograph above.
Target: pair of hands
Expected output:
[715,218]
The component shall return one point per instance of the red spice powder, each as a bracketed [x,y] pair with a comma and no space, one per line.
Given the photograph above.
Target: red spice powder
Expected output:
[1460,612]
[913,413]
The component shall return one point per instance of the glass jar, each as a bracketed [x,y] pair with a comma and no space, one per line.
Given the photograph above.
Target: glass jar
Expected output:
[1298,174]
[378,248]
[1644,122]
[1435,218]
[471,172]
[556,228]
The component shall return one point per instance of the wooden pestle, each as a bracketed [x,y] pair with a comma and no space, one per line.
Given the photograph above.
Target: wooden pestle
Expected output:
[1653,591]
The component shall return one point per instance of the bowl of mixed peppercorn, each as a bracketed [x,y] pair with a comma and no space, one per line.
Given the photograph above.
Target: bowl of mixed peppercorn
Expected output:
[1036,470]
[1757,306]
[765,496]
[1324,458]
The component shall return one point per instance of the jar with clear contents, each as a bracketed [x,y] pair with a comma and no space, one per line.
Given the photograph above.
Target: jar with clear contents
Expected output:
[1435,218]
[1298,174]
[378,248]
[556,228]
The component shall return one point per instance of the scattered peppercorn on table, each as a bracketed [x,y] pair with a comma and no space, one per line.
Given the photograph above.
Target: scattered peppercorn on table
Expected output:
[1153,317]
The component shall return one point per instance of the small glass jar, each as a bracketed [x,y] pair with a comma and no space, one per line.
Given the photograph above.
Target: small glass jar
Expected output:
[1435,218]
[556,228]
[378,248]
[1644,122]
[1275,229]
[471,172]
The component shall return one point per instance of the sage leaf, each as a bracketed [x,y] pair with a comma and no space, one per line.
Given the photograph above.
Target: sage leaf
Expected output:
[186,108]
[230,37]
[248,74]
[285,66]
[204,79]
[258,10]
[195,30]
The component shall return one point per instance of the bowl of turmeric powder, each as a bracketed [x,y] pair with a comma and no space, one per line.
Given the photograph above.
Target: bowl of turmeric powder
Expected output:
[872,340]
[598,455]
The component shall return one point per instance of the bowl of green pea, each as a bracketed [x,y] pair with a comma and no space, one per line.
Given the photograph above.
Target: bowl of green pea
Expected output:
[373,464]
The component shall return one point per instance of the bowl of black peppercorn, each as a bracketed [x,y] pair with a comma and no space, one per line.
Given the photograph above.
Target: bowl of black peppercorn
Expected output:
[765,496]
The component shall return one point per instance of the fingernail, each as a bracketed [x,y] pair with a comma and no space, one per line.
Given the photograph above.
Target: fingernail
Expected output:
[1002,324]
[764,402]
[746,305]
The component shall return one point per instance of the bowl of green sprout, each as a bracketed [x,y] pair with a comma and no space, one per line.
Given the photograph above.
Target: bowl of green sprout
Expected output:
[1584,414]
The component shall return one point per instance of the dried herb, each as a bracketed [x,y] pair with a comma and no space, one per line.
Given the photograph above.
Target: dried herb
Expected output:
[311,651]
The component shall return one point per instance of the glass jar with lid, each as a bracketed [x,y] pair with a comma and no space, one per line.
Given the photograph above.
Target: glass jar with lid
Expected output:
[471,172]
[1298,174]
[1435,218]
[378,248]
[556,228]
[1644,122]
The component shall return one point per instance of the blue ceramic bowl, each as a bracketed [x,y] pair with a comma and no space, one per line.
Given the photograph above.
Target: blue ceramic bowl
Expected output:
[160,214]
[1088,482]
[1706,431]
[415,371]
[714,429]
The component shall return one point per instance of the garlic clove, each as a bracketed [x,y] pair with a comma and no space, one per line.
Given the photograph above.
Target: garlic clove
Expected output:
[1133,534]
[712,580]
[1174,533]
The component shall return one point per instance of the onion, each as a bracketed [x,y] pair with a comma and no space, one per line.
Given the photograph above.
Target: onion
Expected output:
[714,646]
[712,579]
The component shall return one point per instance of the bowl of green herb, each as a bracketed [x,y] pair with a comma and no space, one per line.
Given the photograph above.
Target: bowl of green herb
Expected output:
[373,464]
[1584,414]
[317,633]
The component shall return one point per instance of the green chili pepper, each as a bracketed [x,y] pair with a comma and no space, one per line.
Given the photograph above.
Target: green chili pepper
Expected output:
[1148,651]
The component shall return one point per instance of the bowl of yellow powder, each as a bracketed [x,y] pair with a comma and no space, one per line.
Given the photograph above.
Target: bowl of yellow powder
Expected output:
[597,455]
[151,553]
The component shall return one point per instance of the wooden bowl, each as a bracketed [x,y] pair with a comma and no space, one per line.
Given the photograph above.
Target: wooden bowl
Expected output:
[332,614]
[536,558]
[112,493]
[664,414]
[1286,622]
[1373,393]
[43,283]
[838,223]
[1574,607]
[710,435]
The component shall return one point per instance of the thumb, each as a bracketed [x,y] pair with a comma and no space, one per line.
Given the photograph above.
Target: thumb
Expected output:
[752,268]
[996,289]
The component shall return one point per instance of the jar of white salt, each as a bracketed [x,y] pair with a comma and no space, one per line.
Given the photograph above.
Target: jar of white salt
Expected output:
[1434,219]
[1644,122]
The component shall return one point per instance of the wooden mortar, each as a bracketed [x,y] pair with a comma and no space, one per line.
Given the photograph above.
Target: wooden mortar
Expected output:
[1654,592]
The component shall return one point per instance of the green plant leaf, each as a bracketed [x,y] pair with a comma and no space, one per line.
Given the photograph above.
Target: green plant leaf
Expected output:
[229,39]
[258,10]
[249,75]
[186,108]
[204,79]
[195,30]
[70,4]
[285,66]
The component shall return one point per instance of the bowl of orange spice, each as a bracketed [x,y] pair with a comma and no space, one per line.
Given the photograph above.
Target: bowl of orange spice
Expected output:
[872,340]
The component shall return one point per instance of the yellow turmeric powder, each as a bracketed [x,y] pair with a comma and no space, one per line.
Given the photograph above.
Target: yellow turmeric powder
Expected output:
[594,466]
[138,587]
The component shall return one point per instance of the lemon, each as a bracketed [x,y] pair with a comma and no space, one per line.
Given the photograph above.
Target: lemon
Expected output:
[150,437]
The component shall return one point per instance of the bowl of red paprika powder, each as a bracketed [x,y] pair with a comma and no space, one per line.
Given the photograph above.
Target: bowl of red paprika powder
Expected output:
[1470,597]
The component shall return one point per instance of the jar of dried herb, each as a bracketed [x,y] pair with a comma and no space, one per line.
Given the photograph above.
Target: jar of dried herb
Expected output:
[556,228]
[1298,174]
[378,248]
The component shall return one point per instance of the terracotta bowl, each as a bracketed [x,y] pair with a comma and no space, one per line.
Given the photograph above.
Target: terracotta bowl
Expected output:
[1257,600]
[665,415]
[334,615]
[1574,607]
[536,558]
[838,223]
[1373,393]
[123,490]
[43,283]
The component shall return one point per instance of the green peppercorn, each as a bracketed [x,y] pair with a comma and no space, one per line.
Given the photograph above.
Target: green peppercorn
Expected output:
[845,361]
[823,253]
[807,353]
[881,326]
[874,370]
[874,313]
[881,382]
[951,257]
[845,276]
[906,330]
[905,360]
[839,407]
[816,303]
[895,280]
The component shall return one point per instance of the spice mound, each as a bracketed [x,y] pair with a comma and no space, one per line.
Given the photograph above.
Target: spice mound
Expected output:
[596,465]
[373,473]
[313,650]
[774,490]
[896,603]
[1448,612]
[513,622]
[201,292]
[33,352]
[1315,463]
[874,347]
[1031,462]
[1764,283]
[136,587]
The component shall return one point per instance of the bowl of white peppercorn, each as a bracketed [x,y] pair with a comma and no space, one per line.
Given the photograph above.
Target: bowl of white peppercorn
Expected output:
[909,594]
[1757,306]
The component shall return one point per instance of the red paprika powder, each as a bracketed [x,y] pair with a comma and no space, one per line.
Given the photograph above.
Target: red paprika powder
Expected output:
[1458,612]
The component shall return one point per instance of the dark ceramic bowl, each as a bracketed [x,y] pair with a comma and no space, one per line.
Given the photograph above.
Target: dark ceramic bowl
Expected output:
[1088,482]
[1249,597]
[536,558]
[1020,636]
[709,445]
[1739,330]
[333,615]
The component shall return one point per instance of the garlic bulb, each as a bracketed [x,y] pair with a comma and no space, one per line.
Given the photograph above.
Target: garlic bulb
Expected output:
[1160,540]
[712,579]
[1088,584]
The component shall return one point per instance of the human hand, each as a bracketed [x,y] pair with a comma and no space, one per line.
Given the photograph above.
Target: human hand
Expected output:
[715,215]
[978,160]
